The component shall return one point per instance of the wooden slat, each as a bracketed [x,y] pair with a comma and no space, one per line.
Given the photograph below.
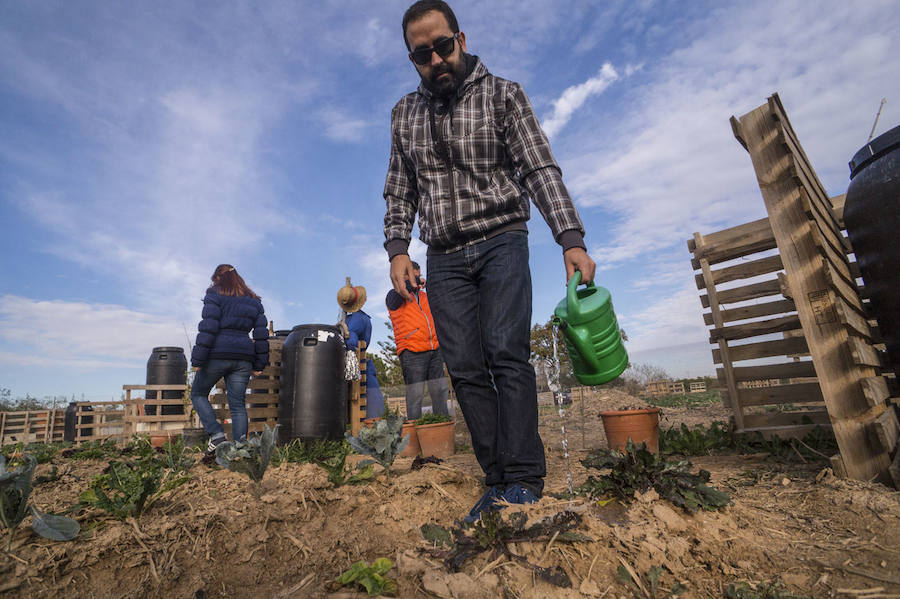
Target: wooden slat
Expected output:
[763,349]
[786,370]
[863,353]
[270,412]
[735,242]
[875,390]
[791,431]
[886,431]
[257,383]
[139,388]
[824,225]
[250,398]
[744,293]
[753,311]
[811,417]
[782,394]
[756,328]
[837,208]
[744,270]
[855,324]
[847,291]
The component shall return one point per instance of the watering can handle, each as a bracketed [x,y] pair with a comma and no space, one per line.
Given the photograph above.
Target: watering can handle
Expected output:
[573,308]
[572,305]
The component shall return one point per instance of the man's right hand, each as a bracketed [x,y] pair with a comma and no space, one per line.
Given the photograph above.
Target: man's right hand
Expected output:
[401,272]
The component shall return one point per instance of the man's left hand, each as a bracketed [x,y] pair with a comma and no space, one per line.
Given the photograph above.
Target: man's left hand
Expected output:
[578,259]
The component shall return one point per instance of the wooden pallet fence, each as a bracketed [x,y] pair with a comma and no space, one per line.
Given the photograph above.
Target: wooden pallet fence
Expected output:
[136,419]
[100,420]
[356,397]
[262,394]
[32,426]
[821,284]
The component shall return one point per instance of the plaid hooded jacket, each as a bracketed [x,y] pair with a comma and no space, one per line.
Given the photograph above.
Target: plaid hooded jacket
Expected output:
[470,167]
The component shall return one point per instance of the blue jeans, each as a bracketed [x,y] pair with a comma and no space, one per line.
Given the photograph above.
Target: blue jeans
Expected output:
[420,367]
[237,375]
[480,297]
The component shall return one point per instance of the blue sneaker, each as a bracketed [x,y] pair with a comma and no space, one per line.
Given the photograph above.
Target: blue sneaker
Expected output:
[519,493]
[486,503]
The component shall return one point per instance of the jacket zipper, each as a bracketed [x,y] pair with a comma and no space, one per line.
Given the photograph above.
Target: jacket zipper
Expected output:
[444,150]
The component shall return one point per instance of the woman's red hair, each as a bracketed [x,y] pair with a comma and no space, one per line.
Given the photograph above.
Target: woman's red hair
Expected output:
[229,282]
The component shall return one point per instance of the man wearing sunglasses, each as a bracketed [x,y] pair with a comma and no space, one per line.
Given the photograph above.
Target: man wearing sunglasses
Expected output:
[468,155]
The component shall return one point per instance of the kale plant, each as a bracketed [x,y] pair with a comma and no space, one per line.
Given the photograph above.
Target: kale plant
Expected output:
[250,457]
[129,488]
[432,418]
[382,441]
[15,488]
[637,469]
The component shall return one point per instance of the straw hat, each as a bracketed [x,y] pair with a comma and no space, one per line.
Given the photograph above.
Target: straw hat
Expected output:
[351,298]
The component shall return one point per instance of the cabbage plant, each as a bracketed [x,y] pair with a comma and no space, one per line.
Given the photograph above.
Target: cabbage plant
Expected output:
[382,441]
[250,457]
[15,488]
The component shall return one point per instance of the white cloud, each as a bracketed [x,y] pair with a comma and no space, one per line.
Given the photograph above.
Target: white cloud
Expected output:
[78,334]
[574,97]
[340,126]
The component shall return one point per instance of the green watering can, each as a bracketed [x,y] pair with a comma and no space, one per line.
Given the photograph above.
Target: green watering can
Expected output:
[591,331]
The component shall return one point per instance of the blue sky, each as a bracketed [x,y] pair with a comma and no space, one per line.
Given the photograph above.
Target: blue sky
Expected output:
[143,143]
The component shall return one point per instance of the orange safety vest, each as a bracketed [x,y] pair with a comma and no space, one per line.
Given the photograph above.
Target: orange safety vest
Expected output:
[414,325]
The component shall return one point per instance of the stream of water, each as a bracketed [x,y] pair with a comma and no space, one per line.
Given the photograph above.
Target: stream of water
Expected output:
[558,398]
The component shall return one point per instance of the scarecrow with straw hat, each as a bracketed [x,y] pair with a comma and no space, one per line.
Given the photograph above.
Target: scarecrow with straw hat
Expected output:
[359,328]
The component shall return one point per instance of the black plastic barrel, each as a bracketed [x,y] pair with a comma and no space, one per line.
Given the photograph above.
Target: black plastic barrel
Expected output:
[312,401]
[872,217]
[71,420]
[166,366]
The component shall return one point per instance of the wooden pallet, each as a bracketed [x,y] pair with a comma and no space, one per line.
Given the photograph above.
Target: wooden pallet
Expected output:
[32,426]
[797,259]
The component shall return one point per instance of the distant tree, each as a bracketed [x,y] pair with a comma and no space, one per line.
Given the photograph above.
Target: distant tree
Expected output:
[644,373]
[542,355]
[5,400]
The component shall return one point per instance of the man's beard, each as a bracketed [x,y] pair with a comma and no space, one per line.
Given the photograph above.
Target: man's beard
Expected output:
[447,86]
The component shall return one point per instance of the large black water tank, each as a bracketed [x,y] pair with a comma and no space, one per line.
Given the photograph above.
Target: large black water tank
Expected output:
[872,216]
[166,366]
[312,401]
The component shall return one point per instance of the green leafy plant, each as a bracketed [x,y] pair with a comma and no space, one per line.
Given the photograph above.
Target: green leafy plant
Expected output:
[432,418]
[698,440]
[42,452]
[496,531]
[250,457]
[638,469]
[309,452]
[340,474]
[15,489]
[648,588]
[93,450]
[382,441]
[177,457]
[129,488]
[371,578]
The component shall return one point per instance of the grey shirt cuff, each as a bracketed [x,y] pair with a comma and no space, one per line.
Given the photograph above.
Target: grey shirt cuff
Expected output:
[395,247]
[571,238]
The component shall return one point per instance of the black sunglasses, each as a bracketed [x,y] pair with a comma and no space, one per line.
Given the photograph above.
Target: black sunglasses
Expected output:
[443,47]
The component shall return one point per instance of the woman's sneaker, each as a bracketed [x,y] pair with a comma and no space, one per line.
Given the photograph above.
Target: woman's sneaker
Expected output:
[213,443]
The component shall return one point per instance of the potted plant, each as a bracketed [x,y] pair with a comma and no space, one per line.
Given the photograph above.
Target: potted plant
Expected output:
[639,425]
[412,450]
[436,434]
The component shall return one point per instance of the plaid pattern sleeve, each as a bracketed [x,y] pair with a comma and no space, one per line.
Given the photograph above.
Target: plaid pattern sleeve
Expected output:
[400,193]
[540,174]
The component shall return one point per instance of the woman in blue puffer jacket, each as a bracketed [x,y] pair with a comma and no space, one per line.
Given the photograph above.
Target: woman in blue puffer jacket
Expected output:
[224,349]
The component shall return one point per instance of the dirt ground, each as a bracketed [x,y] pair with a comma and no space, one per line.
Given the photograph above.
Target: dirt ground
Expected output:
[792,524]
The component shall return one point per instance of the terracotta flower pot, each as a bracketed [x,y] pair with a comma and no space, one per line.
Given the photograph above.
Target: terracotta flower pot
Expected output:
[436,439]
[411,450]
[637,425]
[159,438]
